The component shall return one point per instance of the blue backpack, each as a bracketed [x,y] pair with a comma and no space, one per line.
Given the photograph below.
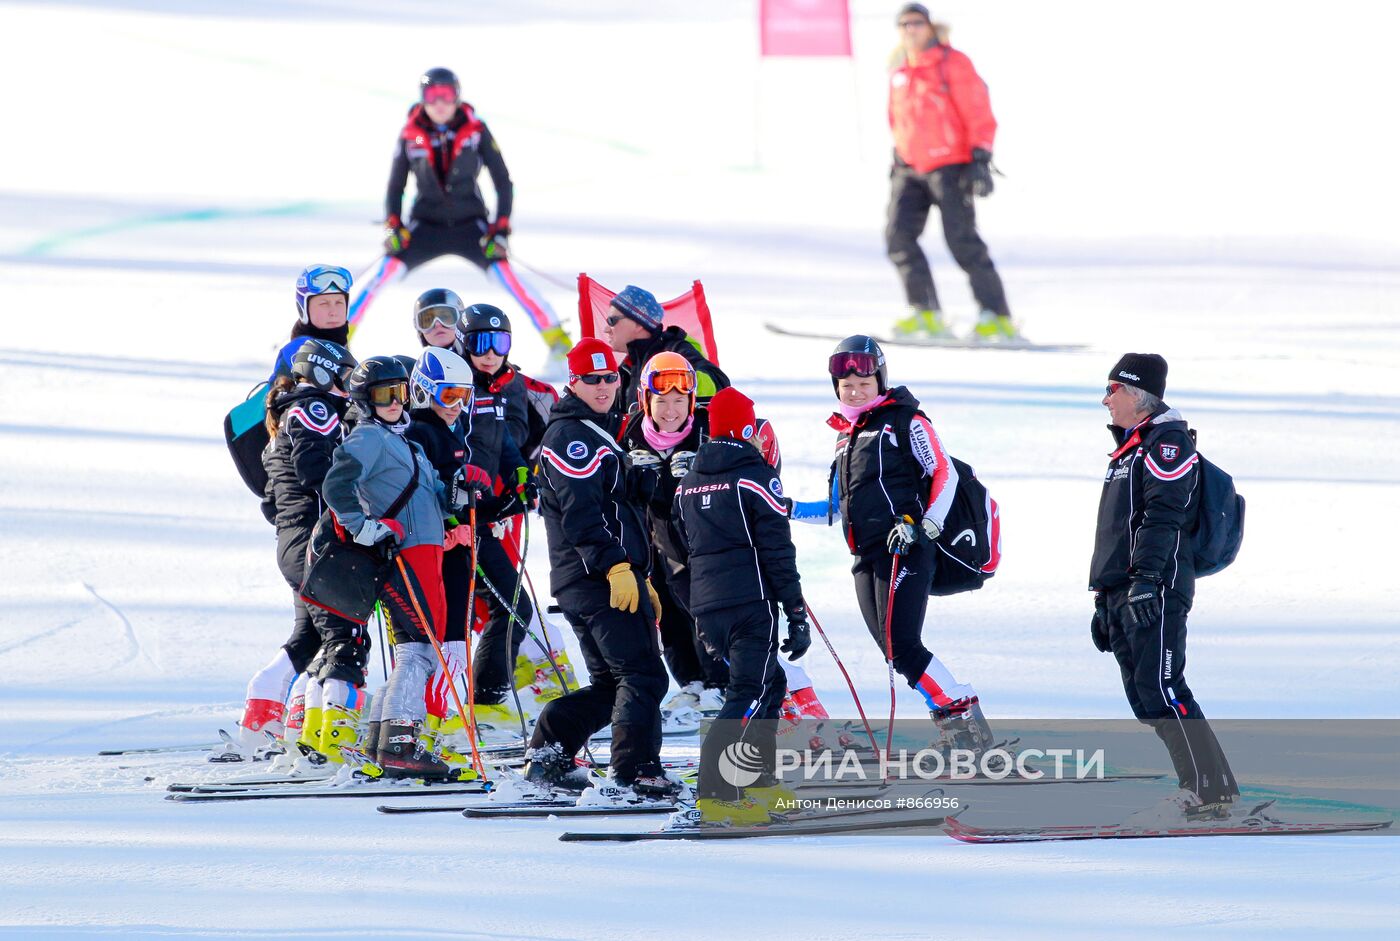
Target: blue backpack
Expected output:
[1220,522]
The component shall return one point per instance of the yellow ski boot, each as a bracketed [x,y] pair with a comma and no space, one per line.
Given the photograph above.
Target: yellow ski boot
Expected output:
[922,325]
[720,813]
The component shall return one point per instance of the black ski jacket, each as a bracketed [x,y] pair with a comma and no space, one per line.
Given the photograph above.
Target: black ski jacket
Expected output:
[588,498]
[310,426]
[1148,507]
[444,445]
[492,446]
[445,162]
[731,513]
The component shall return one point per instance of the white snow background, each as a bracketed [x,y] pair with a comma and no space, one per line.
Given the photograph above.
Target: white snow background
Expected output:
[1211,181]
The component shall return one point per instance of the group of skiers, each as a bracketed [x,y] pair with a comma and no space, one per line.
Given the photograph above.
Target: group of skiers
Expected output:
[667,524]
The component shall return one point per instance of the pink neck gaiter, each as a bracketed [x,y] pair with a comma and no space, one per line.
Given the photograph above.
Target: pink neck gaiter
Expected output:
[665,440]
[852,412]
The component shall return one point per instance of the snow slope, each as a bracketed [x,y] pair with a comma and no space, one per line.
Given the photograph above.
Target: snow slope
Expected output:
[1175,187]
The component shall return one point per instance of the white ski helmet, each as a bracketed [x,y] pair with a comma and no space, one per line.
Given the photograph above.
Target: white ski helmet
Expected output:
[436,371]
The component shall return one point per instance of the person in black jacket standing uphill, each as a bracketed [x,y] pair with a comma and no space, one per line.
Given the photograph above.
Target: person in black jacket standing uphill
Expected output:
[1143,579]
[444,145]
[599,555]
[730,511]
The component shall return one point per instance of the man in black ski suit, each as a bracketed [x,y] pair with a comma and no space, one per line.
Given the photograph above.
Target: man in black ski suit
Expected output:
[731,513]
[1143,575]
[599,557]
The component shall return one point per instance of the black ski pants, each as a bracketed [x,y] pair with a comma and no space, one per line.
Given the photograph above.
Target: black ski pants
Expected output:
[429,240]
[681,645]
[745,635]
[1153,664]
[304,641]
[493,661]
[912,195]
[626,681]
[872,572]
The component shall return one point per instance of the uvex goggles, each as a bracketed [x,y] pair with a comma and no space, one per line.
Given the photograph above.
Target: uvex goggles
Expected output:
[670,380]
[445,315]
[448,396]
[861,364]
[388,393]
[487,341]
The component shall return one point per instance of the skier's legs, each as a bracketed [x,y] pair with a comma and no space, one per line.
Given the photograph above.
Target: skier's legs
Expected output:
[571,719]
[748,635]
[966,245]
[714,671]
[368,286]
[912,660]
[907,215]
[678,634]
[493,666]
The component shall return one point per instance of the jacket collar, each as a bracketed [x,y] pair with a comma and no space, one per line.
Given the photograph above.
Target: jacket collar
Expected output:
[1130,438]
[899,396]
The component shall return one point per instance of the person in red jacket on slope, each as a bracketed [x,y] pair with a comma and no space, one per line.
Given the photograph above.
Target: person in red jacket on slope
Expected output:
[941,118]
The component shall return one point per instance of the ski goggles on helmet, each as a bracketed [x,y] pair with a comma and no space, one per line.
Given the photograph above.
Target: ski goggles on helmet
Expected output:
[447,316]
[448,396]
[327,279]
[595,378]
[487,341]
[860,364]
[439,94]
[661,381]
[388,393]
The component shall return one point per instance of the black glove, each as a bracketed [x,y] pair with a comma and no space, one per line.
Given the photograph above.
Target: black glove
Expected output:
[977,178]
[641,484]
[1143,609]
[799,634]
[496,508]
[1098,627]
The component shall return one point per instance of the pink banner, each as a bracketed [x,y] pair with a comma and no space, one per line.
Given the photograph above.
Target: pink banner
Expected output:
[804,28]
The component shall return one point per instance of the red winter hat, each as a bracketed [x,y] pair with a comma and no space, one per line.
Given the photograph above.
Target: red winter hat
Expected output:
[731,415]
[590,355]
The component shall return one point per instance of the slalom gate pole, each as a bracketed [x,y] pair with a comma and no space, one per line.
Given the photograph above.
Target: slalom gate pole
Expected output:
[849,685]
[889,652]
[431,633]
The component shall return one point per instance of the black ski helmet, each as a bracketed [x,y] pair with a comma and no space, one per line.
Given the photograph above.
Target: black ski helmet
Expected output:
[407,362]
[375,371]
[859,344]
[323,364]
[480,318]
[438,76]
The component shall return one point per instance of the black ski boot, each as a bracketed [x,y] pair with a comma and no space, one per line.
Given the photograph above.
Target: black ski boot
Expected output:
[402,755]
[961,725]
[651,782]
[548,767]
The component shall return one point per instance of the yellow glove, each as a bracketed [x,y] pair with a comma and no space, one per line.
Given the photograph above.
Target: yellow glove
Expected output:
[622,581]
[655,600]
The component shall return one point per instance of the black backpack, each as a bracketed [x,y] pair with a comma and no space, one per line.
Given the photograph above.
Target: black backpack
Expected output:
[969,548]
[1220,521]
[246,435]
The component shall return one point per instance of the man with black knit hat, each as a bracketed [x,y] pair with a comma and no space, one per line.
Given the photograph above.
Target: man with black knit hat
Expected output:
[1143,579]
[635,330]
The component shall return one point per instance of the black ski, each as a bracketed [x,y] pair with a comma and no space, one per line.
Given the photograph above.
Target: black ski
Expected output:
[862,822]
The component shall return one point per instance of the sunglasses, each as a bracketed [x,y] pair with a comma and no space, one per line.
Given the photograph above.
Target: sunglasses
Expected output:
[1111,388]
[612,320]
[487,341]
[596,378]
[439,94]
[912,24]
[864,365]
[447,316]
[671,380]
[388,393]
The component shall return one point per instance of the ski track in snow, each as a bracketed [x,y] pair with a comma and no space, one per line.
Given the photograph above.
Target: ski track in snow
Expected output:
[143,297]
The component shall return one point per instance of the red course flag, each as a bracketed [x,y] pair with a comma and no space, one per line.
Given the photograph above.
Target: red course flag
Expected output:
[804,28]
[689,312]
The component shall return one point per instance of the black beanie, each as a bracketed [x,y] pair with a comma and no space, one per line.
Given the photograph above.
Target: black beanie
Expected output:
[1146,371]
[908,8]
